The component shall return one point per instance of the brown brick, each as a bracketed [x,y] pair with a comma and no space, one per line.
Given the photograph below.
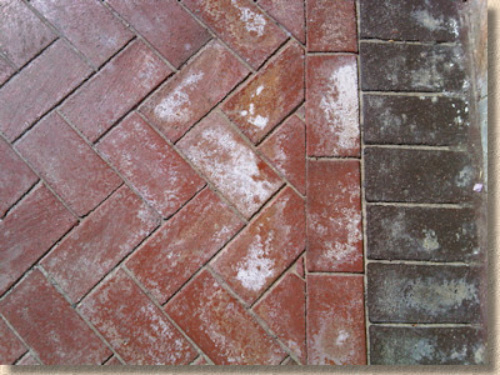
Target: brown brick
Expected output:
[411,67]
[167,182]
[335,320]
[137,329]
[112,92]
[205,81]
[242,25]
[426,346]
[28,231]
[184,244]
[266,248]
[402,175]
[423,293]
[15,179]
[270,95]
[88,25]
[423,120]
[48,324]
[11,348]
[106,236]
[166,25]
[220,326]
[289,13]
[42,84]
[418,233]
[68,164]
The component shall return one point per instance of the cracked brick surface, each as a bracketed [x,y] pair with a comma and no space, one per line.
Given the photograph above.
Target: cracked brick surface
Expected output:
[239,182]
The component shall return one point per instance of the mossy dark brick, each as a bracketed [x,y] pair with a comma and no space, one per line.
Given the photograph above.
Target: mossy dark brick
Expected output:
[426,346]
[423,176]
[412,67]
[415,120]
[422,20]
[401,293]
[421,233]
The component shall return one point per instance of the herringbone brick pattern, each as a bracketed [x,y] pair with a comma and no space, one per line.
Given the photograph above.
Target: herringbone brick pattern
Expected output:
[181,182]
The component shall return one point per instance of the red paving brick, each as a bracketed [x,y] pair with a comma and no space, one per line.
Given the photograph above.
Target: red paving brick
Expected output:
[168,182]
[265,248]
[125,80]
[220,325]
[270,96]
[204,81]
[68,164]
[166,25]
[335,320]
[230,164]
[28,231]
[136,328]
[50,326]
[16,177]
[42,84]
[242,25]
[186,242]
[201,182]
[334,216]
[104,238]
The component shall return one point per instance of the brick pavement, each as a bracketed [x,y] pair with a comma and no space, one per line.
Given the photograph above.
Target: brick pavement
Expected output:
[272,182]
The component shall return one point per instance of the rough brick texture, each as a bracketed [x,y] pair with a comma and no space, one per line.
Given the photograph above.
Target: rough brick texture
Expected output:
[11,348]
[290,14]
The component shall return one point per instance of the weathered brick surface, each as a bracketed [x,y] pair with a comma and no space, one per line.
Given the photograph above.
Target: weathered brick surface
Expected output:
[220,326]
[411,67]
[423,120]
[16,177]
[286,149]
[136,328]
[334,216]
[283,309]
[402,175]
[11,348]
[332,106]
[204,81]
[423,293]
[335,320]
[265,248]
[27,360]
[331,26]
[200,361]
[418,233]
[289,13]
[232,166]
[168,181]
[410,20]
[28,231]
[270,96]
[68,164]
[6,70]
[43,83]
[113,361]
[105,237]
[242,25]
[120,85]
[166,25]
[426,346]
[50,326]
[184,244]
[88,25]
[22,34]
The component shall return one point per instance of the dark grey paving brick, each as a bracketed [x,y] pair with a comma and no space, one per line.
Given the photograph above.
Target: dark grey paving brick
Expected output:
[405,175]
[421,233]
[402,293]
[422,20]
[426,346]
[415,120]
[411,67]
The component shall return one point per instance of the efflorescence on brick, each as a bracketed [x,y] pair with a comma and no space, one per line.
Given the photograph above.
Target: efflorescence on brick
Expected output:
[240,182]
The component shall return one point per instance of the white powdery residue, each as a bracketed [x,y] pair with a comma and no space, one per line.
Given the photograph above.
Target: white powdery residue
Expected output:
[253,21]
[342,337]
[170,108]
[430,241]
[465,176]
[345,251]
[425,19]
[340,106]
[259,121]
[256,268]
[259,90]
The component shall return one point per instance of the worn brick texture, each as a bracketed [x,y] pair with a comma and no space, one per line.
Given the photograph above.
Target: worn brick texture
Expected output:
[240,182]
